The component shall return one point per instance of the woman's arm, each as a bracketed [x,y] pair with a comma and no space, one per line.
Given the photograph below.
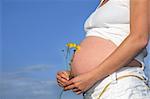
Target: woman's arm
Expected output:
[129,48]
[133,44]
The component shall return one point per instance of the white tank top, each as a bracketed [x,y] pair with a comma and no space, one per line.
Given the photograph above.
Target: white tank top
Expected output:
[111,21]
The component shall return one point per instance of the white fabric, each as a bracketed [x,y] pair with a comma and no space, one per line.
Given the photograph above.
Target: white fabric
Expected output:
[111,21]
[125,88]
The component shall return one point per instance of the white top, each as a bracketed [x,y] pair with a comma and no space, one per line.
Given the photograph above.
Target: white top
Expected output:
[111,21]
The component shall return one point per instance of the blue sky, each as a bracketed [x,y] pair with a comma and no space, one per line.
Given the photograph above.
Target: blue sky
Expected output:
[0,34]
[33,33]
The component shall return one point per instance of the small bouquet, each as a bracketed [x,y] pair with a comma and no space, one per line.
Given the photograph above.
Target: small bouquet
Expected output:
[69,58]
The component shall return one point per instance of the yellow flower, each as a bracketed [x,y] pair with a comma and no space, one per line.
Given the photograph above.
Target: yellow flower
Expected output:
[78,47]
[73,45]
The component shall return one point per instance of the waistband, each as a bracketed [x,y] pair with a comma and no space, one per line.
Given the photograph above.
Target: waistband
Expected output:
[137,71]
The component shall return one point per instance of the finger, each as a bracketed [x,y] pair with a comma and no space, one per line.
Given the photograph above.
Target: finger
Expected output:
[62,83]
[75,90]
[60,72]
[64,75]
[79,92]
[58,76]
[62,79]
[69,83]
[69,87]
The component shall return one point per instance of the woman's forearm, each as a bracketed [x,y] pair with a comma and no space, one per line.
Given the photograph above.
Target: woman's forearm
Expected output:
[120,57]
[132,45]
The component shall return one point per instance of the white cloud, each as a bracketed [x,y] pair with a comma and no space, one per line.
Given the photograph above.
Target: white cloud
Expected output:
[41,67]
[27,88]
[16,86]
[31,89]
[30,69]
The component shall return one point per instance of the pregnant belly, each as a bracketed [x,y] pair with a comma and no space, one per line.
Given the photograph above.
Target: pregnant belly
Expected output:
[94,50]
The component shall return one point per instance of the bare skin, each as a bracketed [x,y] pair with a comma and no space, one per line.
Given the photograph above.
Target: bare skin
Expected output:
[117,59]
[94,50]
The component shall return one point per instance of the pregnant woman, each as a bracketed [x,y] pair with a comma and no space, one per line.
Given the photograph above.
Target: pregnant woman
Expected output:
[109,64]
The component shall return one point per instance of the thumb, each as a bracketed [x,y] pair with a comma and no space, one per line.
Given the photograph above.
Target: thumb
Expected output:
[70,82]
[67,74]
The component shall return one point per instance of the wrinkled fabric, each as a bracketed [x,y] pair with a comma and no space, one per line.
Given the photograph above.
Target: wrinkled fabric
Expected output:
[126,88]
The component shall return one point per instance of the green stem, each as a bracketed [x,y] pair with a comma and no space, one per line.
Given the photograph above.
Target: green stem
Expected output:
[68,67]
[60,96]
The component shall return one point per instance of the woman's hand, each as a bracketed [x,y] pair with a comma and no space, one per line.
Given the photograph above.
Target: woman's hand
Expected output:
[81,83]
[63,78]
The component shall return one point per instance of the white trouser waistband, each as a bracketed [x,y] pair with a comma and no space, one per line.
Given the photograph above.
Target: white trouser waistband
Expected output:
[113,77]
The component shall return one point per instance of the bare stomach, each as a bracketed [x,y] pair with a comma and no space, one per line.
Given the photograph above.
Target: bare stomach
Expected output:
[94,50]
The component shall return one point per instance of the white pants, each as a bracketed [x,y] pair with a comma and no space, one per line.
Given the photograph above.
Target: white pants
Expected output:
[125,88]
